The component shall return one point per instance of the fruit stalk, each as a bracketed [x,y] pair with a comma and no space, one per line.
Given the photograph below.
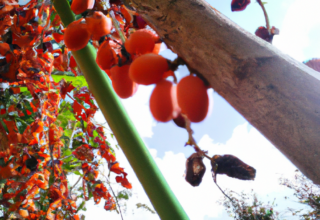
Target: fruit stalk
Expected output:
[152,180]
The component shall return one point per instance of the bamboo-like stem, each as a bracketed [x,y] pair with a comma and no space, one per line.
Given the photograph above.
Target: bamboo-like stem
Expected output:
[152,180]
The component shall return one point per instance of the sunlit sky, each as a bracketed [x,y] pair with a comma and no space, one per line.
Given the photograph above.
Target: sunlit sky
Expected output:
[224,131]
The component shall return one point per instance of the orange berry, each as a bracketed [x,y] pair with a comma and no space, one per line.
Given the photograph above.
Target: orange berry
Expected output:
[23,213]
[99,25]
[148,69]
[163,101]
[80,6]
[76,35]
[193,98]
[121,82]
[106,57]
[141,42]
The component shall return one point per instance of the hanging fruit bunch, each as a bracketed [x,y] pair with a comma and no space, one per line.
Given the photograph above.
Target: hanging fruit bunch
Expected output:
[128,51]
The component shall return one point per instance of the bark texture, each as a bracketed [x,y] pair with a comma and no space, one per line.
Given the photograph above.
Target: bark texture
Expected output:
[275,93]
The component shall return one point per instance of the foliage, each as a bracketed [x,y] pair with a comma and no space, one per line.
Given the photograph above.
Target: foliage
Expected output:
[307,193]
[46,137]
[245,206]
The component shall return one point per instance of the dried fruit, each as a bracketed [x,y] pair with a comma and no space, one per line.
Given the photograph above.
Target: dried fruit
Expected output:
[195,169]
[314,64]
[263,33]
[239,5]
[232,167]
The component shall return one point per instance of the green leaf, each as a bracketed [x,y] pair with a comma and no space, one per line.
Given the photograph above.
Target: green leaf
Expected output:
[78,173]
[77,81]
[67,152]
[124,194]
[81,206]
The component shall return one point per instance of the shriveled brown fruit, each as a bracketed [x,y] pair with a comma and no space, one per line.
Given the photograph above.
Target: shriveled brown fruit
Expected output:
[264,34]
[239,5]
[314,64]
[232,167]
[195,169]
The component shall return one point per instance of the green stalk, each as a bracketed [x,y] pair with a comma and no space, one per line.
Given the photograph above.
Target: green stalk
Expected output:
[152,180]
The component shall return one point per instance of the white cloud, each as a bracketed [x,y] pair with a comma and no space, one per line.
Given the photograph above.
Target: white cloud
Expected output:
[139,112]
[137,108]
[301,18]
[200,202]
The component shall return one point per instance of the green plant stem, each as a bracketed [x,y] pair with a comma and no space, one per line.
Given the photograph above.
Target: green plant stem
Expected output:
[152,180]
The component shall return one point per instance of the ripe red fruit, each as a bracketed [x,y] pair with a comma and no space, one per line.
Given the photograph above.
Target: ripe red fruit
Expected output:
[193,98]
[76,35]
[141,42]
[99,25]
[163,101]
[80,6]
[121,82]
[148,69]
[106,57]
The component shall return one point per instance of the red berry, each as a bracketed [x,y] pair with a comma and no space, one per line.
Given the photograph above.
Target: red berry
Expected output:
[148,69]
[76,35]
[141,42]
[106,57]
[121,82]
[193,98]
[99,25]
[163,101]
[80,6]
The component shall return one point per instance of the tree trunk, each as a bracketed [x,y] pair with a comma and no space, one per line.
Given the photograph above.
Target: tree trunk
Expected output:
[275,93]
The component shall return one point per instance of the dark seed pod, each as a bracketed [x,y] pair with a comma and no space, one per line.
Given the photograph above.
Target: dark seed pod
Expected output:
[232,167]
[195,169]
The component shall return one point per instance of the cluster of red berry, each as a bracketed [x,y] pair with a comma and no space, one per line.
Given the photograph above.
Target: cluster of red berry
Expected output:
[136,61]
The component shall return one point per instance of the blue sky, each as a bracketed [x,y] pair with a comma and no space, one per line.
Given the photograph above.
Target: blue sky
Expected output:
[224,131]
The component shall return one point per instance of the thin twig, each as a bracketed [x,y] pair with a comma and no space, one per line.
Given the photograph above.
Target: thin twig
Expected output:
[72,187]
[223,192]
[191,140]
[114,195]
[265,15]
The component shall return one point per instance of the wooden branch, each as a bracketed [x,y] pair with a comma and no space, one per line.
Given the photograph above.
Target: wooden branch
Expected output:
[275,93]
